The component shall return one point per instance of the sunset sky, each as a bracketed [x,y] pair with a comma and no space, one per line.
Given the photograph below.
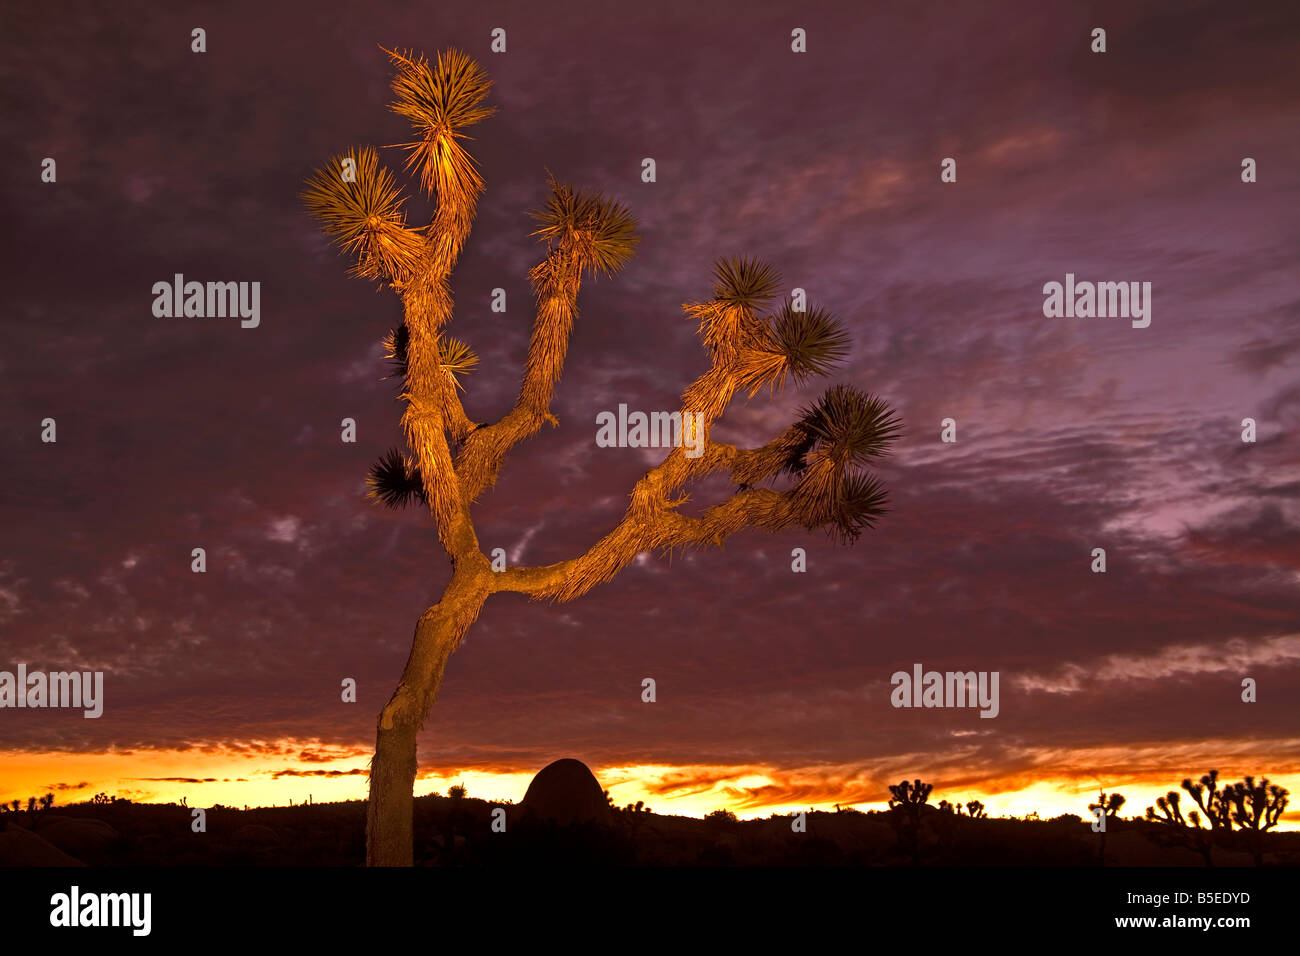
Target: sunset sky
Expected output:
[773,687]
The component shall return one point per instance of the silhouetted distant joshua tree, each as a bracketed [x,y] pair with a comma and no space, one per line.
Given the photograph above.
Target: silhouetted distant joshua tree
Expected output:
[946,807]
[905,803]
[47,801]
[1110,803]
[1169,806]
[457,792]
[450,459]
[975,809]
[1211,800]
[1177,830]
[31,805]
[1257,809]
[1252,807]
[1109,806]
[18,805]
[912,795]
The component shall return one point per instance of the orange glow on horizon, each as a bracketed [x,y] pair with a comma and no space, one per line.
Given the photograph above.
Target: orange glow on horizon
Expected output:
[285,772]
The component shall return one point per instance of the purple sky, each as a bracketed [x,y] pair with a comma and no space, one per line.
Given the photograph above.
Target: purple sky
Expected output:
[1073,433]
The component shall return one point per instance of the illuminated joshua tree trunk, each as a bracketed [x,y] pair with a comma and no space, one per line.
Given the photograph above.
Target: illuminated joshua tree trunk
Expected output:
[450,460]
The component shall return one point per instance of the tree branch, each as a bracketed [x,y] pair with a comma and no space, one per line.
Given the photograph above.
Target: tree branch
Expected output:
[584,232]
[652,523]
[556,281]
[655,530]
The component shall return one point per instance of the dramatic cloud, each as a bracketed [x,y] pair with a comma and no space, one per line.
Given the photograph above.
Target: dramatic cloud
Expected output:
[773,687]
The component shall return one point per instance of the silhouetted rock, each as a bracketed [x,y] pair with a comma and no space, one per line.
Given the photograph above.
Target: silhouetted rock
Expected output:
[78,836]
[565,792]
[254,834]
[21,847]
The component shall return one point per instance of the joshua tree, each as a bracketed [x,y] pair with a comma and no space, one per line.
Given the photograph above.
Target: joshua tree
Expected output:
[18,805]
[909,795]
[1186,831]
[946,807]
[1169,806]
[1257,809]
[450,459]
[1211,800]
[1109,804]
[1177,830]
[975,809]
[31,805]
[47,801]
[457,792]
[905,803]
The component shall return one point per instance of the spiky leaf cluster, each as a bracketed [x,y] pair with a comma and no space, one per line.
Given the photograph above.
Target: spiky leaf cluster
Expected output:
[364,216]
[795,344]
[763,351]
[395,481]
[859,502]
[439,100]
[395,343]
[812,342]
[454,356]
[599,233]
[746,283]
[850,426]
[836,436]
[728,322]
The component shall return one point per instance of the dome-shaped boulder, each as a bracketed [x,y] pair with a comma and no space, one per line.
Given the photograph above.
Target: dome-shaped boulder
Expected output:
[256,835]
[565,792]
[79,835]
[21,847]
